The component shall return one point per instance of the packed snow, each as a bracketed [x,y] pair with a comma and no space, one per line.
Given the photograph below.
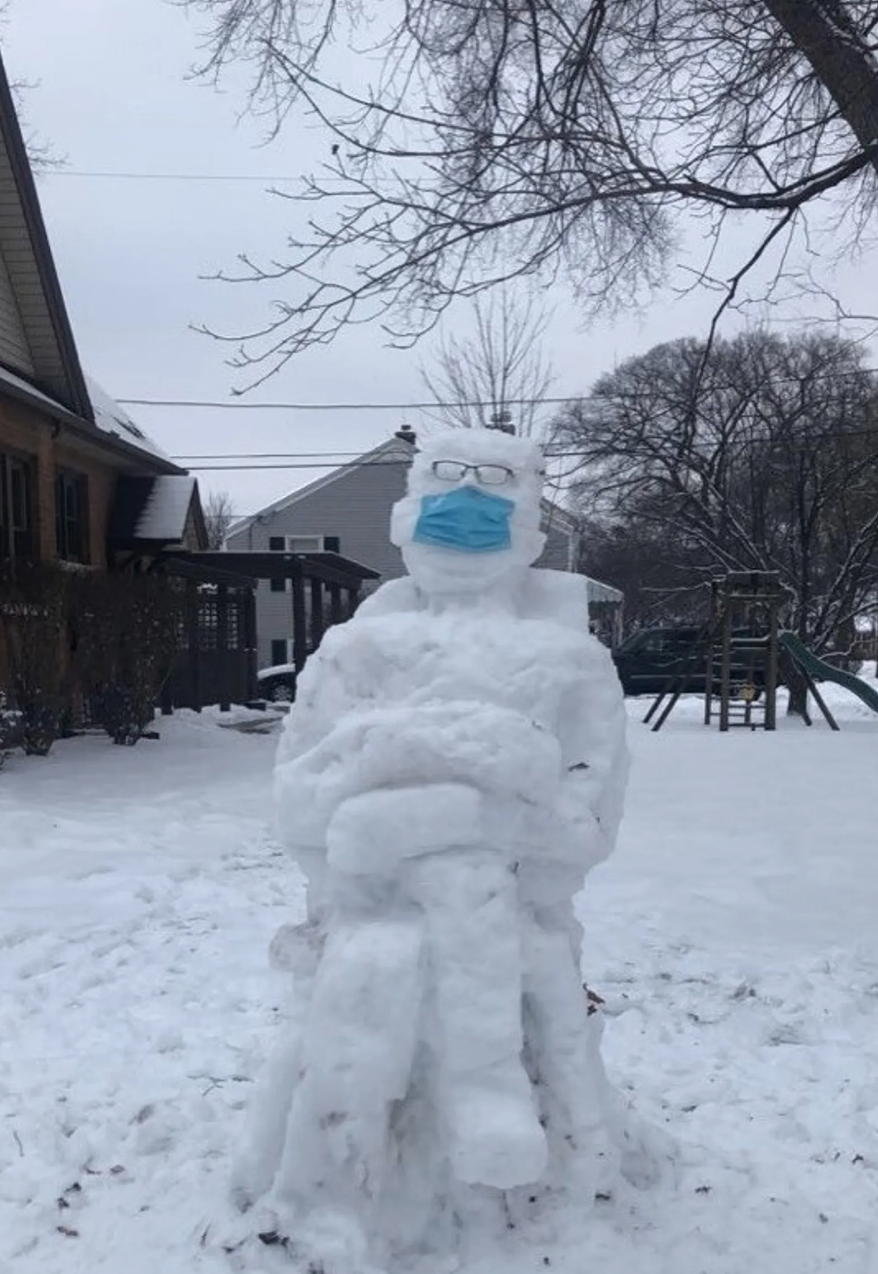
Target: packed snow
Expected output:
[453,766]
[732,935]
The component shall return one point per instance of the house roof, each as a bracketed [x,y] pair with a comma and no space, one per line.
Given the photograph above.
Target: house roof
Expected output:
[115,422]
[151,510]
[390,452]
[55,363]
[42,365]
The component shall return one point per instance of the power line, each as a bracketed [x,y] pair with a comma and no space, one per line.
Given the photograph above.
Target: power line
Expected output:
[281,464]
[596,400]
[132,176]
[271,455]
[423,406]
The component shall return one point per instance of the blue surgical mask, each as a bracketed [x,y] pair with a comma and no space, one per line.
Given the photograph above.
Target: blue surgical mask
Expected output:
[466,519]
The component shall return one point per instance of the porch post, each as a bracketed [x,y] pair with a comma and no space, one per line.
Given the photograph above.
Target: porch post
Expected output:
[251,642]
[316,612]
[222,645]
[192,645]
[300,625]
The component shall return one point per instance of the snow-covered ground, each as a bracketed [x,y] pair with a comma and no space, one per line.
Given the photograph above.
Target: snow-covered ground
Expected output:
[733,936]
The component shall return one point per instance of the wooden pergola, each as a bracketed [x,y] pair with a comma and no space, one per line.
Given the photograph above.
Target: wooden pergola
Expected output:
[315,579]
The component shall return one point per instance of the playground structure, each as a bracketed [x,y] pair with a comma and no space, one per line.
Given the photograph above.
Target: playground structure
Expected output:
[745,656]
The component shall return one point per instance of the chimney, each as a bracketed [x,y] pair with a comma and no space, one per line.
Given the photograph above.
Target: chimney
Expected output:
[406,434]
[502,420]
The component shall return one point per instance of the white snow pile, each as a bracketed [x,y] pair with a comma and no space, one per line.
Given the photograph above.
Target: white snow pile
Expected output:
[732,934]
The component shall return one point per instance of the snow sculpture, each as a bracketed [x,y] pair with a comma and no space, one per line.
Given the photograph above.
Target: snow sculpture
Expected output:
[453,766]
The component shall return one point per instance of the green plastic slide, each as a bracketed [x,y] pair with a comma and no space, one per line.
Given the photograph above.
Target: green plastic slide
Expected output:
[822,671]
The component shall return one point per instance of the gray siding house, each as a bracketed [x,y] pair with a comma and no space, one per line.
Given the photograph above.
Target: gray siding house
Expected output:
[348,512]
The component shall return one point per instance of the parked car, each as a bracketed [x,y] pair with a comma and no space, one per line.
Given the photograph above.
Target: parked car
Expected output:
[278,683]
[647,659]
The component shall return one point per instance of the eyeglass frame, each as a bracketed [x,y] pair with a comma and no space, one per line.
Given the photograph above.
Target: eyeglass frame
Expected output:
[511,474]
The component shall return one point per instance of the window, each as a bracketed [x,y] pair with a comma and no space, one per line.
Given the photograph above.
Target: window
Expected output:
[16,508]
[281,651]
[304,543]
[300,544]
[71,534]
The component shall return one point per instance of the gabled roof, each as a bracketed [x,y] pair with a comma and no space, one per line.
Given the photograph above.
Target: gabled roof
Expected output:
[153,510]
[41,364]
[395,449]
[114,421]
[25,245]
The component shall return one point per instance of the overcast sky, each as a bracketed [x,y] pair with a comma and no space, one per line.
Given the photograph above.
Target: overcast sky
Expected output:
[113,95]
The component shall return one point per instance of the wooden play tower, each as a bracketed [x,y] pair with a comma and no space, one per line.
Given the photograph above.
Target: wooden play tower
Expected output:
[738,652]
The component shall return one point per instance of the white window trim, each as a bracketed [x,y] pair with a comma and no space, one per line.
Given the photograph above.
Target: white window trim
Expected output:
[317,545]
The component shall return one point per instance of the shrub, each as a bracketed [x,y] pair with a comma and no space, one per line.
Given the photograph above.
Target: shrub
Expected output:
[124,631]
[33,615]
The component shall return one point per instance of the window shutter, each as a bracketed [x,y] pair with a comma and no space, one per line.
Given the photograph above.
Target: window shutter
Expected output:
[276,544]
[279,650]
[332,543]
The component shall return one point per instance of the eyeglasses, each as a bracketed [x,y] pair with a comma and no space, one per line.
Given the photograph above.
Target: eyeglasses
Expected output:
[486,475]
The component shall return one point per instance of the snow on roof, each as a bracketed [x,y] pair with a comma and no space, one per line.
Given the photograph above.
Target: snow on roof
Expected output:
[110,418]
[600,592]
[163,516]
[25,387]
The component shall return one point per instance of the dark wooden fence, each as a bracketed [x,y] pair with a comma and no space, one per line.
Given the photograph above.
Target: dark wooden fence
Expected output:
[217,649]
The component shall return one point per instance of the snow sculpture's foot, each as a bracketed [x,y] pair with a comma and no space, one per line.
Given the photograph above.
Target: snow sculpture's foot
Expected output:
[495,1137]
[334,1242]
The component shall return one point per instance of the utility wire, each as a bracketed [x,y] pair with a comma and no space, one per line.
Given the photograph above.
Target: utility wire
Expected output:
[282,464]
[424,406]
[596,400]
[130,176]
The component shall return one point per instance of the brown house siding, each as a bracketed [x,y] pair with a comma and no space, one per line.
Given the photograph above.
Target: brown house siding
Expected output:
[27,433]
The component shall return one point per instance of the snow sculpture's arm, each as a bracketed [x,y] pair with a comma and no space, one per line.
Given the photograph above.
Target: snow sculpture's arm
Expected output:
[591,727]
[322,697]
[595,759]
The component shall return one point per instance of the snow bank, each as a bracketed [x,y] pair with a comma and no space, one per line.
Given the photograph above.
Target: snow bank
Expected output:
[732,935]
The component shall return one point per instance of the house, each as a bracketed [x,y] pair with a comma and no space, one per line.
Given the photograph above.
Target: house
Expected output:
[348,512]
[81,485]
[79,480]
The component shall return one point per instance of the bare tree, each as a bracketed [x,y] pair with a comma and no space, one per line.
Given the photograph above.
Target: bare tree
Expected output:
[40,152]
[218,517]
[759,454]
[473,141]
[497,377]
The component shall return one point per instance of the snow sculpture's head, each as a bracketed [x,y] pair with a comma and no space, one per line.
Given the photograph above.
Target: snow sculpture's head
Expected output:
[471,518]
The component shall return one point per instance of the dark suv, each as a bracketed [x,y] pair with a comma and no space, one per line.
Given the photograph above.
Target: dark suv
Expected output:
[647,659]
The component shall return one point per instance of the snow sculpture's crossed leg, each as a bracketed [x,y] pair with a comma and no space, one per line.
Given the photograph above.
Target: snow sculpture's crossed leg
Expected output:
[561,1049]
[470,903]
[356,1058]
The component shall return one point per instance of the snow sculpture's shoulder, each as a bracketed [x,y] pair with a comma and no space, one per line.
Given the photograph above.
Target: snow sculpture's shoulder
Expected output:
[391,598]
[558,596]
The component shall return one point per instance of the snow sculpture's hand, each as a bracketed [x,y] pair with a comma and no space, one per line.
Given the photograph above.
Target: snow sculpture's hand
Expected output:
[374,832]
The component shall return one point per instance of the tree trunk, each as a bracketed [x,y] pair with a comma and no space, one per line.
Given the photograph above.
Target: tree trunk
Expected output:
[798,701]
[823,33]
